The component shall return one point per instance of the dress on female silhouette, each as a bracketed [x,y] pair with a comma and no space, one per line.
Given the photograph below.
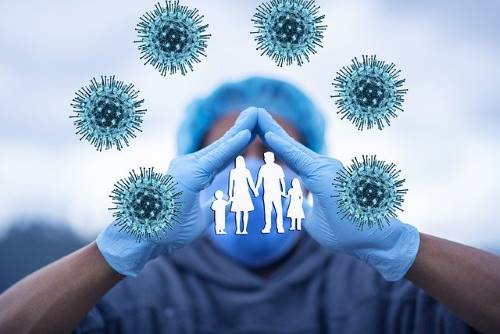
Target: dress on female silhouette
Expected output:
[241,178]
[240,183]
[295,210]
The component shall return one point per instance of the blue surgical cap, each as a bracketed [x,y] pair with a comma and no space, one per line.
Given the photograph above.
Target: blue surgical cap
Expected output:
[277,97]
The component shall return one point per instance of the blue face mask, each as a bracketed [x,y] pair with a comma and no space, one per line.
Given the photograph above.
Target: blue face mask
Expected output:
[254,249]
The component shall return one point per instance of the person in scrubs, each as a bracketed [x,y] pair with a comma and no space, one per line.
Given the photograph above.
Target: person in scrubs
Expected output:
[328,278]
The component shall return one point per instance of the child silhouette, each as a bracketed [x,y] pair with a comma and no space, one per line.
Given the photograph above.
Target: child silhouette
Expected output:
[295,210]
[219,206]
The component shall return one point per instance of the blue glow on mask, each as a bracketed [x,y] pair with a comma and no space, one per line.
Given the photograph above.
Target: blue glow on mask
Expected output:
[254,249]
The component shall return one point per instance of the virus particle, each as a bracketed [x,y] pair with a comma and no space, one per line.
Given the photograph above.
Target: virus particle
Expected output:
[172,38]
[146,204]
[369,192]
[369,93]
[288,30]
[107,113]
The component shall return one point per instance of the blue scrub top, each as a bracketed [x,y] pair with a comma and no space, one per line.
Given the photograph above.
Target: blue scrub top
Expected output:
[199,290]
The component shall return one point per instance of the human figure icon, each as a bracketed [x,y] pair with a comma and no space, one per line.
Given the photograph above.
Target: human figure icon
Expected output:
[272,177]
[219,206]
[295,210]
[240,184]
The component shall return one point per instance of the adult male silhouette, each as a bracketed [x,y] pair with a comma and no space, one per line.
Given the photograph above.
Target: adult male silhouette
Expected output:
[273,179]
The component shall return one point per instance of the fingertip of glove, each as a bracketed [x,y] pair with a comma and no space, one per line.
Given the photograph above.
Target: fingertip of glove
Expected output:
[248,110]
[245,134]
[264,113]
[270,135]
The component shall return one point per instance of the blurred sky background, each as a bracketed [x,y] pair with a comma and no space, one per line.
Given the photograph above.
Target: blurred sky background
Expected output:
[446,142]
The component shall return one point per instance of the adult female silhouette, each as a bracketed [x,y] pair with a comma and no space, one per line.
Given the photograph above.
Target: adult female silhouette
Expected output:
[240,180]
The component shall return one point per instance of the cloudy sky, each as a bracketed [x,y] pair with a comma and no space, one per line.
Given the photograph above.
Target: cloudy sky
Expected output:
[446,142]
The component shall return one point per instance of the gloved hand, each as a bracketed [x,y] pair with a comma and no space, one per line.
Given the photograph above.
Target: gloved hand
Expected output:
[193,173]
[391,250]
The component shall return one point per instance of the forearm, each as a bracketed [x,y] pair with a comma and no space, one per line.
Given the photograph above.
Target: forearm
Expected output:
[56,297]
[464,279]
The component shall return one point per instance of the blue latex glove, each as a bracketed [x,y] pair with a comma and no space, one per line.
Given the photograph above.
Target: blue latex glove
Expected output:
[391,250]
[193,173]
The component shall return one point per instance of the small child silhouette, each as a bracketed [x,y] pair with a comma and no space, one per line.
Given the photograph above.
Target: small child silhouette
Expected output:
[219,206]
[295,210]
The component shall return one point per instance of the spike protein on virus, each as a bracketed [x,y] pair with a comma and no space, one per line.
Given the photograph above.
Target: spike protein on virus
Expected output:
[146,205]
[288,31]
[369,92]
[369,192]
[107,113]
[172,37]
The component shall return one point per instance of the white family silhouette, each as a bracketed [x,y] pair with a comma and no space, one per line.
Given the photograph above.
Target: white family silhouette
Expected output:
[272,179]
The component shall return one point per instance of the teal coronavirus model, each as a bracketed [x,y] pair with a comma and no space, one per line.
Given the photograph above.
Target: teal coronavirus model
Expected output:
[146,204]
[369,93]
[107,113]
[369,192]
[172,37]
[288,31]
